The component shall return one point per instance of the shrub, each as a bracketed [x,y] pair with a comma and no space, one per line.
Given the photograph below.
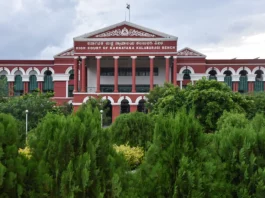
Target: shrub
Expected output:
[133,155]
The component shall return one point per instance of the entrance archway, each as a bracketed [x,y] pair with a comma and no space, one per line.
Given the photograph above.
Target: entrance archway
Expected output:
[141,106]
[107,108]
[259,85]
[125,107]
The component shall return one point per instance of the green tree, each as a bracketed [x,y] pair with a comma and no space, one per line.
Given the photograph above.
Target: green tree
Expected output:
[165,99]
[37,104]
[176,165]
[3,88]
[136,129]
[12,170]
[211,98]
[240,146]
[74,157]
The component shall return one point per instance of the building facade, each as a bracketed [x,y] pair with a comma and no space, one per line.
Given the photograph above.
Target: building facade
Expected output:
[122,63]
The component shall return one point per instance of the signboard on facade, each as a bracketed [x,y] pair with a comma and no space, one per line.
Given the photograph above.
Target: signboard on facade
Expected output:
[124,46]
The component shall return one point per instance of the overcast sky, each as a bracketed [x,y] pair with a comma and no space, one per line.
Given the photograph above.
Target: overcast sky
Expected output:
[39,29]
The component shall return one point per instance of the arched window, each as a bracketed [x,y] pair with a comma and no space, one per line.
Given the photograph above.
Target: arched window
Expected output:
[48,82]
[141,106]
[71,87]
[212,75]
[33,84]
[108,113]
[186,75]
[4,83]
[72,75]
[125,107]
[228,78]
[259,85]
[18,86]
[243,82]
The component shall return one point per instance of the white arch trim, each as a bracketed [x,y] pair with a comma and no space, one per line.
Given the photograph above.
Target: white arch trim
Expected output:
[5,69]
[140,98]
[33,69]
[87,98]
[243,68]
[213,68]
[258,68]
[68,70]
[230,69]
[125,97]
[108,98]
[16,69]
[186,67]
[46,69]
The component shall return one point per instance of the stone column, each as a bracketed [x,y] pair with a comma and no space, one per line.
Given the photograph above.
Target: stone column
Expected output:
[133,73]
[116,73]
[151,72]
[98,73]
[167,68]
[83,74]
[76,74]
[175,70]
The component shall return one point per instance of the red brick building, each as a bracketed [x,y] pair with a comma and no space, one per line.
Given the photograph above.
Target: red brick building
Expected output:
[122,63]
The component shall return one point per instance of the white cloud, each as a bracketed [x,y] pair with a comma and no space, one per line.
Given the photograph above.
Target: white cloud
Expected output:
[219,29]
[251,46]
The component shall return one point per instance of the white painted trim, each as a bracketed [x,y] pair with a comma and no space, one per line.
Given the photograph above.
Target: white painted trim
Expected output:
[186,67]
[167,57]
[70,102]
[60,77]
[108,98]
[121,53]
[66,91]
[258,68]
[5,69]
[151,57]
[111,93]
[125,97]
[133,57]
[243,68]
[34,69]
[116,57]
[83,57]
[98,57]
[68,70]
[87,98]
[124,39]
[27,65]
[16,69]
[46,69]
[140,98]
[230,69]
[77,103]
[236,64]
[215,69]
[187,48]
[55,56]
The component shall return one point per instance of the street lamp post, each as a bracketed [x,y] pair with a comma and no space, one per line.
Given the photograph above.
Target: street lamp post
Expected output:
[27,111]
[101,116]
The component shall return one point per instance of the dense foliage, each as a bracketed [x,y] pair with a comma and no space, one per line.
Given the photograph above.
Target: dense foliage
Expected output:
[12,169]
[209,99]
[134,129]
[37,104]
[72,156]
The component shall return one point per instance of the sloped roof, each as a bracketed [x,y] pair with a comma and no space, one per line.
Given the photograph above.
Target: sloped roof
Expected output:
[186,52]
[145,32]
